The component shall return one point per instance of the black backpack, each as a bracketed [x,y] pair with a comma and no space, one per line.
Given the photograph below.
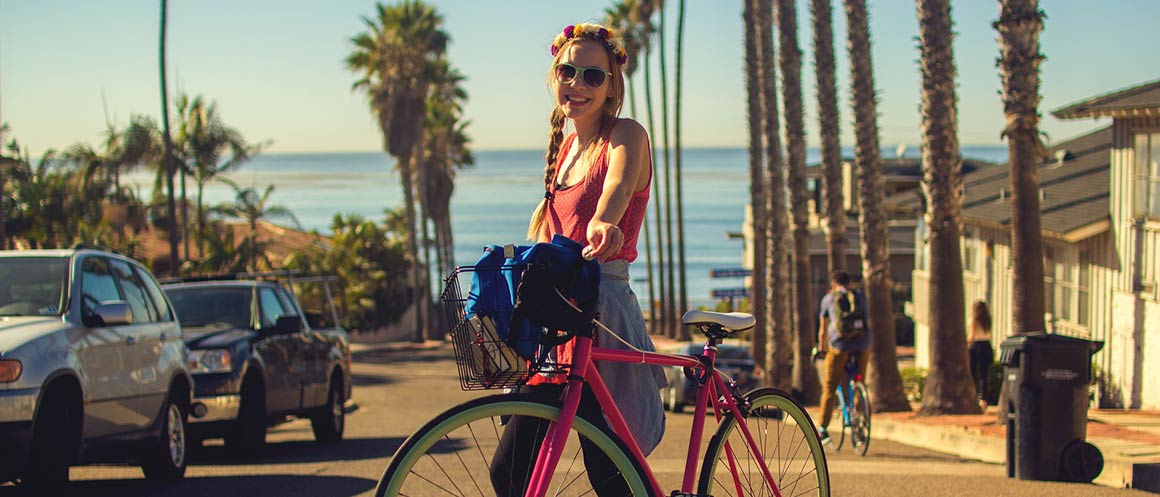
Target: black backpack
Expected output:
[850,318]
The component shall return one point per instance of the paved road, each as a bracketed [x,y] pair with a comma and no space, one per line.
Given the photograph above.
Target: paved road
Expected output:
[397,391]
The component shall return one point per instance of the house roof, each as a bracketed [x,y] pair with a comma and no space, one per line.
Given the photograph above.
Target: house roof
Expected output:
[1137,101]
[1075,199]
[900,238]
[909,168]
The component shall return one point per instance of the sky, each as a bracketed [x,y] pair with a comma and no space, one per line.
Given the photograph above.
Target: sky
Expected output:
[275,67]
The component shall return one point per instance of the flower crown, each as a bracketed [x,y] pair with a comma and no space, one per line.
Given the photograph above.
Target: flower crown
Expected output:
[591,32]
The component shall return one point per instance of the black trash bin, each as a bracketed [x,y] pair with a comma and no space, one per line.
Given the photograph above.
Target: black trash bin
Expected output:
[1047,378]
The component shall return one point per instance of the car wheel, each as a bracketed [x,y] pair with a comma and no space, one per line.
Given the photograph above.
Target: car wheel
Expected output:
[329,421]
[247,437]
[165,461]
[55,439]
[675,404]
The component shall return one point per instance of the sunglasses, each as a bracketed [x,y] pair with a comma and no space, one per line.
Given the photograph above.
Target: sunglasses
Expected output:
[593,77]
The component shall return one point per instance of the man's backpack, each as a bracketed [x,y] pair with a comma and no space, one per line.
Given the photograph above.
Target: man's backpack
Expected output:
[850,318]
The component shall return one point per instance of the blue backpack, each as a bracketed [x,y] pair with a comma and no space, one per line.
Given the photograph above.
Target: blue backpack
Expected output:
[535,295]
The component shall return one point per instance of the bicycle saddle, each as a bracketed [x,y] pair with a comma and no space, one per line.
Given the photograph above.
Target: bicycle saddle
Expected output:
[732,321]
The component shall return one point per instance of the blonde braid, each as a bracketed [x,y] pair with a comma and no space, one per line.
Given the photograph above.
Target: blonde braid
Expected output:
[555,141]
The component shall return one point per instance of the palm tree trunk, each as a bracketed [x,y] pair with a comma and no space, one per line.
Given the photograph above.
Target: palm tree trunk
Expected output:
[683,331]
[949,389]
[648,255]
[184,216]
[419,334]
[1019,24]
[757,201]
[433,332]
[828,125]
[779,320]
[167,158]
[805,374]
[885,382]
[675,312]
[664,306]
[200,219]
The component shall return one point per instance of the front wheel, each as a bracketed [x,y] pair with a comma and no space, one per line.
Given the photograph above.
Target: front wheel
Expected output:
[462,452]
[165,459]
[785,441]
[860,419]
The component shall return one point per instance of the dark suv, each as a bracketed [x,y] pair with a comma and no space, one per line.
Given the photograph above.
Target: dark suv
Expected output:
[256,360]
[92,367]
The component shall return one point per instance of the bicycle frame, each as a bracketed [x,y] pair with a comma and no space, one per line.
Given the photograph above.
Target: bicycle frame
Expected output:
[846,395]
[582,370]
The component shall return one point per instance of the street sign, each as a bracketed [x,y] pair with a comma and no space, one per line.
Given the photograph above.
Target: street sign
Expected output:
[729,293]
[733,272]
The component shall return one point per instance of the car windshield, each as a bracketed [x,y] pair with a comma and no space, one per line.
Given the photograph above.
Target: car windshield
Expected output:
[33,286]
[212,307]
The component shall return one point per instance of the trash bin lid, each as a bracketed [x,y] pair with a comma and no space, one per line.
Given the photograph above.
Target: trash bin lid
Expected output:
[1013,345]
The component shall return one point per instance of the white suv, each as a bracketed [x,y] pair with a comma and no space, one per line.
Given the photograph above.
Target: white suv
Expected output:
[92,367]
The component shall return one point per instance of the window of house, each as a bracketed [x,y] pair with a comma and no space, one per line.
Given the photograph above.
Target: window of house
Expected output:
[971,255]
[1067,284]
[1146,177]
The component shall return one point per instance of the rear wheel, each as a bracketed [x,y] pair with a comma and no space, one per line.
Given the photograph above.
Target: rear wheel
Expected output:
[329,421]
[460,453]
[55,439]
[165,460]
[788,443]
[860,419]
[247,437]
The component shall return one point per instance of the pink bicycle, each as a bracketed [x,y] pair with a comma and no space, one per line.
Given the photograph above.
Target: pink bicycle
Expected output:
[765,444]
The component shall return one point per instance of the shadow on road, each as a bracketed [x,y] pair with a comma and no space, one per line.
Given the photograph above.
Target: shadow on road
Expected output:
[217,486]
[300,451]
[364,380]
[404,356]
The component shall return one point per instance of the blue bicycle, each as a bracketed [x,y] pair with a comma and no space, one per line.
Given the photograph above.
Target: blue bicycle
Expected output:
[854,404]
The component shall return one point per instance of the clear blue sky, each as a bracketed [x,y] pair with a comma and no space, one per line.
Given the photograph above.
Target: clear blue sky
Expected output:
[275,66]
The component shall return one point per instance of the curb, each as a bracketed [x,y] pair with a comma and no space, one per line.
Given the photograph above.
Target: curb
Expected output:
[1118,472]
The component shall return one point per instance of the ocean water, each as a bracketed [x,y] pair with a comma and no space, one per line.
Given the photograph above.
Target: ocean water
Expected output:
[494,199]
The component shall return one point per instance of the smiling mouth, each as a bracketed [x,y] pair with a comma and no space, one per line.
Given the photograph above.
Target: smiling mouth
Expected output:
[576,99]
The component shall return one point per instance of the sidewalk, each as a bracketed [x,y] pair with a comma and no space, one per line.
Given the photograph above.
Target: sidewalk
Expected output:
[1128,440]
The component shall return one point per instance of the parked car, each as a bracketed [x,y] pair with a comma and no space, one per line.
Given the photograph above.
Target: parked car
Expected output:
[734,360]
[257,360]
[92,367]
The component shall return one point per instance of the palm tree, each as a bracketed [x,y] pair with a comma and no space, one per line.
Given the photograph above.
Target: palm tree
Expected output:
[1019,24]
[253,207]
[779,320]
[622,18]
[445,152]
[665,309]
[394,57]
[948,387]
[683,332]
[805,374]
[675,311]
[828,126]
[757,201]
[884,379]
[167,157]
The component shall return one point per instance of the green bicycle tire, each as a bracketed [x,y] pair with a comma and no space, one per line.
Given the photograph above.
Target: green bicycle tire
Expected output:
[778,406]
[451,467]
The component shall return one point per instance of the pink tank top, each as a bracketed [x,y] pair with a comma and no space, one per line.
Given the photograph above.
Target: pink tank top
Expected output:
[571,209]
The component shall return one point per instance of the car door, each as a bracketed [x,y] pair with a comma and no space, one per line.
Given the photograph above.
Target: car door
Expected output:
[278,353]
[104,356]
[145,339]
[310,361]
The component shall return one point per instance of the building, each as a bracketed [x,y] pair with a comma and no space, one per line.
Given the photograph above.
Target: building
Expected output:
[1100,204]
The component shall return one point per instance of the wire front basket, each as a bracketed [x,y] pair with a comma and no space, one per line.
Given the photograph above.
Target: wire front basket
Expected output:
[484,359]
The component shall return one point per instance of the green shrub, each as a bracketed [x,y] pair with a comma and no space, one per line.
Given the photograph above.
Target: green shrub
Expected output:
[913,382]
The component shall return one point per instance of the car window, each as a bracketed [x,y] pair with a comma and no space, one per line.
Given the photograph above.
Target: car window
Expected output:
[287,302]
[97,284]
[134,291]
[209,306]
[271,307]
[155,294]
[32,286]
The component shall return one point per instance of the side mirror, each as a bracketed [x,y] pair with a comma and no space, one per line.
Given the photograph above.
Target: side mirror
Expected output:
[110,314]
[315,320]
[290,323]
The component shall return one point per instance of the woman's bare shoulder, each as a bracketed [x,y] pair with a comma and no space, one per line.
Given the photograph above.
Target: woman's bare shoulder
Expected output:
[629,133]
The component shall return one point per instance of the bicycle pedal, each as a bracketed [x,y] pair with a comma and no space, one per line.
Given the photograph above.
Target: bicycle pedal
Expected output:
[678,493]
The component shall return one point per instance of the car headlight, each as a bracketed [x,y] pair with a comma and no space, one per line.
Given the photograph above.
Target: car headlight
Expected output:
[10,370]
[209,361]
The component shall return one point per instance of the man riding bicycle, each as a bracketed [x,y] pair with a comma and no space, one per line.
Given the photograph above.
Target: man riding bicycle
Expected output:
[843,331]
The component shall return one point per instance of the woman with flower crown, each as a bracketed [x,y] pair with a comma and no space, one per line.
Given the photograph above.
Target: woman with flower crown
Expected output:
[596,190]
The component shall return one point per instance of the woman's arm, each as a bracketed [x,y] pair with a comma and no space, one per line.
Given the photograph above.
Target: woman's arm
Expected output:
[628,172]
